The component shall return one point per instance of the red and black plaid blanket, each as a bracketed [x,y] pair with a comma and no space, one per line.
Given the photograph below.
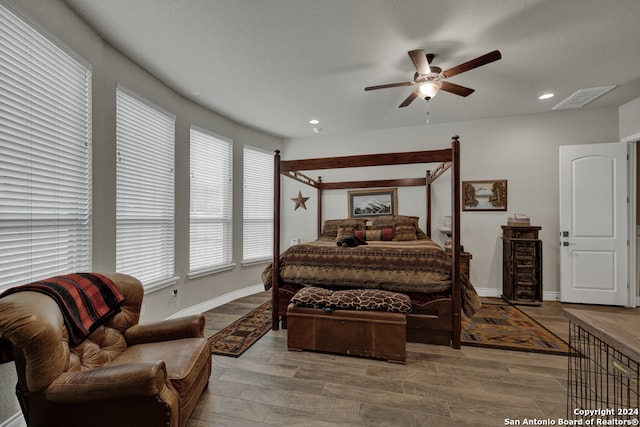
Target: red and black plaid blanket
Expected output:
[87,300]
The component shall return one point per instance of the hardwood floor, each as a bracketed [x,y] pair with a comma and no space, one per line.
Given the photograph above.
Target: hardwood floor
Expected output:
[438,386]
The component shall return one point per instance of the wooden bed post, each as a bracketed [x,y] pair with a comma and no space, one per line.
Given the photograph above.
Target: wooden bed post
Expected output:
[455,243]
[275,271]
[428,181]
[319,192]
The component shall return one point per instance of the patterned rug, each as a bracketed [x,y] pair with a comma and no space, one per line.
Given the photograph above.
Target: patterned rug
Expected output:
[236,338]
[507,327]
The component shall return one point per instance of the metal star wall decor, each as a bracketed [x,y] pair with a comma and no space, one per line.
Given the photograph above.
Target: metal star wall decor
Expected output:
[300,201]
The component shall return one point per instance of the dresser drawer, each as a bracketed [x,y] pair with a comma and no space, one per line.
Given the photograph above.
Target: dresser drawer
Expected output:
[520,233]
[525,250]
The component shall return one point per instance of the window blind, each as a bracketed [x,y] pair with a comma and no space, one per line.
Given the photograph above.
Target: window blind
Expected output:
[257,235]
[210,206]
[45,156]
[144,191]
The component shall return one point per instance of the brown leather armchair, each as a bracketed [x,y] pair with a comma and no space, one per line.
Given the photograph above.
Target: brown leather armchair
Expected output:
[123,374]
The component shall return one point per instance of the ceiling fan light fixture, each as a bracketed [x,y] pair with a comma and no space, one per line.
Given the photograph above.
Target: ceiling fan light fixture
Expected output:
[428,89]
[428,79]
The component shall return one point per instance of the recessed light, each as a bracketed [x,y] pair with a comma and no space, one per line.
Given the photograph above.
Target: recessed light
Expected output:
[314,121]
[546,96]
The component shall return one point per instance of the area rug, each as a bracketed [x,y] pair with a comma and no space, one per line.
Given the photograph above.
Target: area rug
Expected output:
[499,326]
[507,327]
[237,337]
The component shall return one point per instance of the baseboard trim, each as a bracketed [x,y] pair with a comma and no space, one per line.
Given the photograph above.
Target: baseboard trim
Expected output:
[489,292]
[551,296]
[497,293]
[218,301]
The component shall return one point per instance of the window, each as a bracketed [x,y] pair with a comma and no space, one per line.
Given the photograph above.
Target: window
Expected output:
[144,191]
[257,235]
[210,206]
[45,156]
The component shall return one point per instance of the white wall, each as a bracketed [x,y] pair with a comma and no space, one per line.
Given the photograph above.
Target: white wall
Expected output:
[521,149]
[629,123]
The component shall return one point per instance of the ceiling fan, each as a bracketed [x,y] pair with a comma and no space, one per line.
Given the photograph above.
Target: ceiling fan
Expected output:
[429,79]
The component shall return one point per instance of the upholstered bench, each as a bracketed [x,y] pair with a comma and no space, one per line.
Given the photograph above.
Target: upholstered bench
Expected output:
[361,322]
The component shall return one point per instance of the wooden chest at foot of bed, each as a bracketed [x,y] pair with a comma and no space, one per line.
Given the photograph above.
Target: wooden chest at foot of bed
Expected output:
[377,334]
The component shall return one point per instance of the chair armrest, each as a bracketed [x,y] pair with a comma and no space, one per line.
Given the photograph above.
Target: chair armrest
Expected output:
[144,379]
[166,330]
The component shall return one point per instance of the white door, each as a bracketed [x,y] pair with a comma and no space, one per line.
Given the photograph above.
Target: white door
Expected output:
[593,224]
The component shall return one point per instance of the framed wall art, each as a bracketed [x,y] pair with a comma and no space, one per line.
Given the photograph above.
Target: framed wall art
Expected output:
[367,203]
[487,195]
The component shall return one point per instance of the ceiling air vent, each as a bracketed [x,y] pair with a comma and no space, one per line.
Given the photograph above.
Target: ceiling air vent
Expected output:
[582,97]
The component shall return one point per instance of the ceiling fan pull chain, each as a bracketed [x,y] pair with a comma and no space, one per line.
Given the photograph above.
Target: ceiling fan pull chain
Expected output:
[427,111]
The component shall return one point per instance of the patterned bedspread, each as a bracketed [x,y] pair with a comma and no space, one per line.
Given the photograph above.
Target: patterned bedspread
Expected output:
[400,266]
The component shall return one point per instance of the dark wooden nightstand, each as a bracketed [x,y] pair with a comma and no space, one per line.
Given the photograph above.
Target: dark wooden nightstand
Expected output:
[465,263]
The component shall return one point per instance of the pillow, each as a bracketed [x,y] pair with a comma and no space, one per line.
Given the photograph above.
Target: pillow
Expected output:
[349,231]
[310,296]
[420,235]
[353,299]
[380,223]
[360,234]
[360,224]
[384,234]
[346,231]
[371,299]
[330,226]
[404,231]
[403,226]
[405,218]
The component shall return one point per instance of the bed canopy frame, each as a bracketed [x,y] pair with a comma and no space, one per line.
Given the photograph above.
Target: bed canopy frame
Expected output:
[449,158]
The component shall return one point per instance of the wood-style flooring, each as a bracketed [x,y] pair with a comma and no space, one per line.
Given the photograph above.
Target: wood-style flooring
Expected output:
[438,386]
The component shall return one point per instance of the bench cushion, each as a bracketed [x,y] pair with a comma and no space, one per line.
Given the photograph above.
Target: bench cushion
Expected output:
[353,299]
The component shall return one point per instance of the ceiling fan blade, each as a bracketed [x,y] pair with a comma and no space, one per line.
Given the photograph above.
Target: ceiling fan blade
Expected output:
[456,89]
[419,59]
[474,63]
[409,99]
[388,85]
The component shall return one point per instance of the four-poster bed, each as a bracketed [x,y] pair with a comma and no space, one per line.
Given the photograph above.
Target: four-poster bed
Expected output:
[430,276]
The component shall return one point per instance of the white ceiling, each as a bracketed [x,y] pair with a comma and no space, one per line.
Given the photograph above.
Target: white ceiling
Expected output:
[276,64]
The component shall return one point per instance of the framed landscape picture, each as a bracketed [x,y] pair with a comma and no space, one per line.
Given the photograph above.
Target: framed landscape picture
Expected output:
[366,203]
[488,195]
